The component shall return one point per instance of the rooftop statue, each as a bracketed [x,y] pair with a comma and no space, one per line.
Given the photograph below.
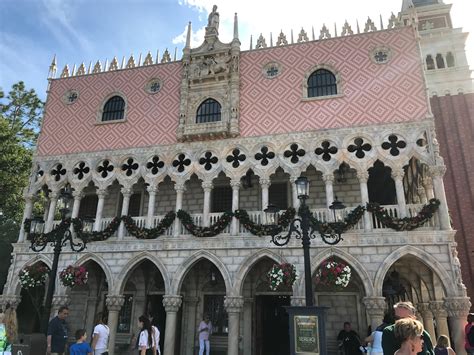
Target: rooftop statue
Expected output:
[213,22]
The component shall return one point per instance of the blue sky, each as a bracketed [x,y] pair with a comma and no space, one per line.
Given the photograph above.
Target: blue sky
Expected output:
[32,31]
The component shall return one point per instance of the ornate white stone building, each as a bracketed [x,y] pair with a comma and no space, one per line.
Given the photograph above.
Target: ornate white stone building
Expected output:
[223,129]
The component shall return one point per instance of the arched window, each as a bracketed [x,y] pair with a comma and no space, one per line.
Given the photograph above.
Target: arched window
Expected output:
[450,59]
[209,111]
[113,109]
[439,61]
[430,62]
[322,83]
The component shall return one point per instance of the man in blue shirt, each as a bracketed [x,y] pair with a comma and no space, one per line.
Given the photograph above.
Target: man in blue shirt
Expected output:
[57,332]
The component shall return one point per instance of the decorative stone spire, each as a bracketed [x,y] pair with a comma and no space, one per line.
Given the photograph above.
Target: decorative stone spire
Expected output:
[346,29]
[157,56]
[52,68]
[188,37]
[81,70]
[113,64]
[358,29]
[369,25]
[381,23]
[312,32]
[236,27]
[131,62]
[324,33]
[97,68]
[251,38]
[148,59]
[65,72]
[166,57]
[281,39]
[303,36]
[271,40]
[335,30]
[261,42]
[139,60]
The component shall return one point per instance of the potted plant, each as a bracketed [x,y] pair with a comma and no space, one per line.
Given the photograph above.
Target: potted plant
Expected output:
[282,275]
[333,273]
[73,275]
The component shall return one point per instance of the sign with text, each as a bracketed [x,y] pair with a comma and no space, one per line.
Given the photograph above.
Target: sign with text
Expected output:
[306,335]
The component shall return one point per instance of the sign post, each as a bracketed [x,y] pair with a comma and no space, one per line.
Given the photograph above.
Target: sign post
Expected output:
[307,330]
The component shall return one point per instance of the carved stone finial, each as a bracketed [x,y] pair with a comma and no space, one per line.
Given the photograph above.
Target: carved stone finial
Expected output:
[131,62]
[261,42]
[97,67]
[81,70]
[281,39]
[303,36]
[65,72]
[52,68]
[393,21]
[346,29]
[113,64]
[166,57]
[324,33]
[369,26]
[148,59]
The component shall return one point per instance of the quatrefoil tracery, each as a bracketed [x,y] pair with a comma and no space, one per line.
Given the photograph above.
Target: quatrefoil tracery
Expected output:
[236,158]
[181,163]
[359,147]
[326,151]
[394,145]
[105,168]
[129,167]
[58,171]
[154,165]
[208,160]
[264,155]
[81,170]
[294,153]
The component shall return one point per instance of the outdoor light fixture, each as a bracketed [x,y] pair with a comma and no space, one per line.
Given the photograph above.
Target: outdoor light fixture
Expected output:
[87,224]
[64,202]
[302,187]
[271,213]
[37,225]
[336,205]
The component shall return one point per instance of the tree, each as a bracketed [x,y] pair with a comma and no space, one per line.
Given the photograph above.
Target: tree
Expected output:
[20,117]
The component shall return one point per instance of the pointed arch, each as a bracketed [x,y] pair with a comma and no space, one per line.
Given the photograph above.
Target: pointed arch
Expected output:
[249,263]
[16,278]
[183,269]
[351,260]
[425,258]
[130,266]
[101,262]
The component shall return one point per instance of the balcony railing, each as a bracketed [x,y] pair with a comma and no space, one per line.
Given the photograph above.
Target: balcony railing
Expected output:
[259,217]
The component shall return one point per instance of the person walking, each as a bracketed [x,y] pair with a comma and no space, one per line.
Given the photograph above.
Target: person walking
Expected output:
[57,332]
[100,335]
[204,330]
[375,339]
[442,346]
[145,340]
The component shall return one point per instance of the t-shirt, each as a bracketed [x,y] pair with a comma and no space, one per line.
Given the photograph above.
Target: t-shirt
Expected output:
[58,330]
[377,342]
[204,335]
[156,338]
[80,349]
[390,344]
[143,340]
[350,341]
[102,332]
[467,329]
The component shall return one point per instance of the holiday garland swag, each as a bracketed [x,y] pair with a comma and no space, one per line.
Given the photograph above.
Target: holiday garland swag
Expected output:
[398,224]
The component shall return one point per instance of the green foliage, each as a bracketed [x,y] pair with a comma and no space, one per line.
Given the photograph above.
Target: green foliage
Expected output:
[8,234]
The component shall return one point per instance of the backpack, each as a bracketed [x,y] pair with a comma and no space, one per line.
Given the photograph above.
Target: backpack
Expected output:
[470,336]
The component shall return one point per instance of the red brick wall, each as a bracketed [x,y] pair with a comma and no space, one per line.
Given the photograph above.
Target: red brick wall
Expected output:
[454,119]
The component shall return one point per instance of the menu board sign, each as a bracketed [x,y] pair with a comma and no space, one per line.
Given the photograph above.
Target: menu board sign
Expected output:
[306,335]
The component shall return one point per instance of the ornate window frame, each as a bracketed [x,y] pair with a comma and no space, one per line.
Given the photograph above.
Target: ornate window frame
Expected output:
[102,106]
[65,97]
[381,48]
[270,64]
[330,68]
[150,83]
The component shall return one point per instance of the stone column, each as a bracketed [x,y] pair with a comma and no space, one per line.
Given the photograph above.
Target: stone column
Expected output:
[329,181]
[428,185]
[296,200]
[397,175]
[233,307]
[152,190]
[78,196]
[58,301]
[235,184]
[101,193]
[207,187]
[458,309]
[26,215]
[437,173]
[52,209]
[179,188]
[363,176]
[114,305]
[126,193]
[247,325]
[422,194]
[264,185]
[190,308]
[441,317]
[375,307]
[427,316]
[171,304]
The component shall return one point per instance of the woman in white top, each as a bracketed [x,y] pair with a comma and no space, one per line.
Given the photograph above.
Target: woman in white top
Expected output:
[145,341]
[100,335]
[375,339]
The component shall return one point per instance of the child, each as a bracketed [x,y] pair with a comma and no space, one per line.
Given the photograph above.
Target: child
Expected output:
[81,347]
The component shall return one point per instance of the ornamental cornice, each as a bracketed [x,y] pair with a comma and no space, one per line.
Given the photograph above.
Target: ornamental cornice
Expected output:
[114,302]
[172,302]
[233,304]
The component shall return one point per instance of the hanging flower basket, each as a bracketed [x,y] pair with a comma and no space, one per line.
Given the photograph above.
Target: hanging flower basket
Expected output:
[282,275]
[33,276]
[333,273]
[73,275]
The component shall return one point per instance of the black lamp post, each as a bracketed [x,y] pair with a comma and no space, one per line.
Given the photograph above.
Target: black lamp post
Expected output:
[302,228]
[58,238]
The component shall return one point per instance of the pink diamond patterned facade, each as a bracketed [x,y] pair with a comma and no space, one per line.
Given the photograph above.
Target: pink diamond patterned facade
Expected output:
[371,93]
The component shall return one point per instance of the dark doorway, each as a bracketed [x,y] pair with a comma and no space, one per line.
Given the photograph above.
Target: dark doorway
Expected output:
[157,312]
[272,336]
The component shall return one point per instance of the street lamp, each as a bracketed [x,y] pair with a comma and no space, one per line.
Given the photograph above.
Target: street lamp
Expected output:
[302,228]
[58,237]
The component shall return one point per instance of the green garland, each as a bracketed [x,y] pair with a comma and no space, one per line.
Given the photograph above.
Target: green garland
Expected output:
[263,229]
[149,233]
[96,236]
[406,223]
[337,227]
[203,232]
[41,239]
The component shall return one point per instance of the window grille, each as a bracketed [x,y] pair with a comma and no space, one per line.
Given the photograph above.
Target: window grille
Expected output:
[278,195]
[209,111]
[113,109]
[88,207]
[214,307]
[322,83]
[221,199]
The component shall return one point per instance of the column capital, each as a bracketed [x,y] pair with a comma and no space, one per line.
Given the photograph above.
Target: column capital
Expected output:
[457,307]
[438,310]
[126,191]
[152,189]
[114,302]
[398,173]
[233,304]
[207,185]
[235,184]
[179,186]
[78,194]
[427,182]
[375,305]
[328,178]
[437,170]
[59,301]
[363,176]
[265,183]
[28,197]
[424,309]
[54,194]
[298,301]
[102,192]
[12,300]
[172,302]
